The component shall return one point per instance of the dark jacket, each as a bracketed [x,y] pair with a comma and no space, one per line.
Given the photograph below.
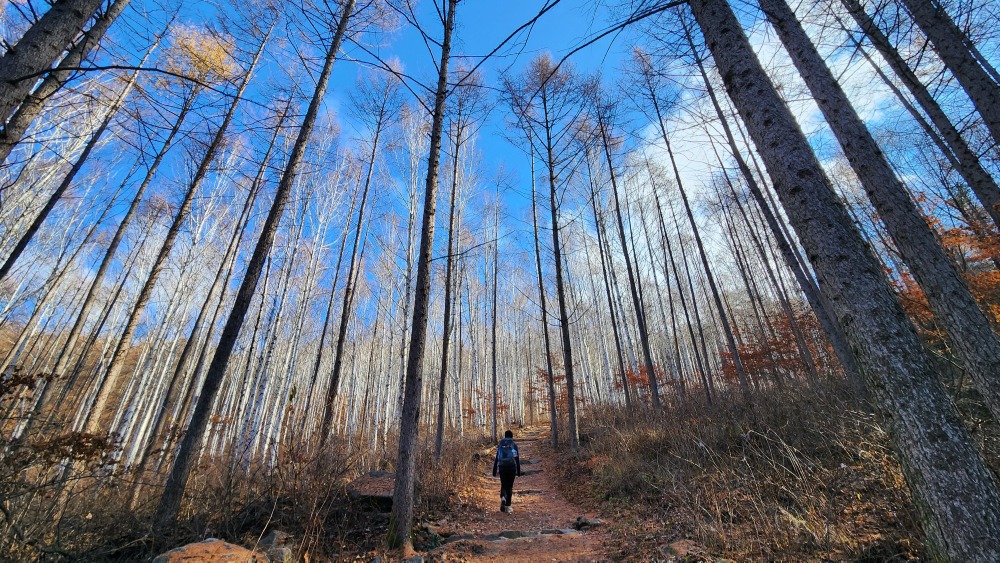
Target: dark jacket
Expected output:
[496,458]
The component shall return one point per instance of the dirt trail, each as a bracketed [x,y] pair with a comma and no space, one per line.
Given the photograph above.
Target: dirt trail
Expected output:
[541,526]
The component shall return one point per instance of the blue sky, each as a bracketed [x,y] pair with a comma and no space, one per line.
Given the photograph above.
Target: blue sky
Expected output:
[482,26]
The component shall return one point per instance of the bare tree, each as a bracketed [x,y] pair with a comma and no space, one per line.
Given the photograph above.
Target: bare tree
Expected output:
[39,48]
[169,505]
[401,519]
[32,106]
[954,307]
[547,101]
[465,103]
[957,499]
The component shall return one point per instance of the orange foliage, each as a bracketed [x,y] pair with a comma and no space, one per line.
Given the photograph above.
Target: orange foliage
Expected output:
[638,379]
[976,252]
[558,381]
[778,355]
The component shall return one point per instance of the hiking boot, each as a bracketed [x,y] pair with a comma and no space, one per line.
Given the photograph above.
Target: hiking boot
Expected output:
[503,504]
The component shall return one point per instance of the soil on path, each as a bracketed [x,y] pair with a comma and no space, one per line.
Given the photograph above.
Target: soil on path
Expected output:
[541,526]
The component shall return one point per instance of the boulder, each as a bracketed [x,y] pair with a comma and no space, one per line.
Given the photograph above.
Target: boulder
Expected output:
[584,523]
[280,555]
[211,550]
[373,489]
[275,538]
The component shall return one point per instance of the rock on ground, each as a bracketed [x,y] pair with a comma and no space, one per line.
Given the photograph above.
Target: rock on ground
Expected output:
[374,489]
[214,550]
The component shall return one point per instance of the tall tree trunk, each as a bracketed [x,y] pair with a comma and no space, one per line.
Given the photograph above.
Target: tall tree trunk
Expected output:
[26,113]
[708,377]
[108,383]
[574,435]
[954,491]
[640,312]
[967,162]
[952,45]
[493,324]
[39,48]
[401,518]
[954,307]
[170,501]
[449,261]
[554,422]
[675,336]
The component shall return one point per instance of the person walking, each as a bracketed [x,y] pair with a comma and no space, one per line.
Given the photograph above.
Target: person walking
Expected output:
[508,464]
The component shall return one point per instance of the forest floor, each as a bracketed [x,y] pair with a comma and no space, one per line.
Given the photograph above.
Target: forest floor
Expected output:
[542,526]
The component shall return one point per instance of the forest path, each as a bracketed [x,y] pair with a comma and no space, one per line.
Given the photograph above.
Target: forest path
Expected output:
[541,526]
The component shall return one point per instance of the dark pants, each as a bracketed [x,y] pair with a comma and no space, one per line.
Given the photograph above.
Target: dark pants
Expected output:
[507,484]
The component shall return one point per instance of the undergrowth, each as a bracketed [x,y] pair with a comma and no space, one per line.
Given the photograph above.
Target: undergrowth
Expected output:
[97,513]
[805,474]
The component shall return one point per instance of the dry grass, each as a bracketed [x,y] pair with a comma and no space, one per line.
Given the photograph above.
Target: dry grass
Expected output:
[804,475]
[440,482]
[304,495]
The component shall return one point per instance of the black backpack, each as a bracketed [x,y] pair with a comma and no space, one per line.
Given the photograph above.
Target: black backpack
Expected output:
[506,455]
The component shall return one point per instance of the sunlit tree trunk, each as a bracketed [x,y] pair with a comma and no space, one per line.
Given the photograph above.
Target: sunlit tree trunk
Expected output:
[955,493]
[818,304]
[574,435]
[954,307]
[401,518]
[169,505]
[39,48]
[32,105]
[723,317]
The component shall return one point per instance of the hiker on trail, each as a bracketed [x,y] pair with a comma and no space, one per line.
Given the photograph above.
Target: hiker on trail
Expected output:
[508,463]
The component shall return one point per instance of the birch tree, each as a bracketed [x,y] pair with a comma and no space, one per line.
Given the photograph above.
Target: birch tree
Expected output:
[169,505]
